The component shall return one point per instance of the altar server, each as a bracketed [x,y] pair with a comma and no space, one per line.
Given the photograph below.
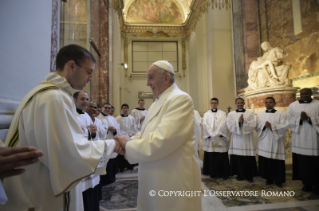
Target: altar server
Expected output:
[272,127]
[81,100]
[113,128]
[215,133]
[127,127]
[303,118]
[242,149]
[139,114]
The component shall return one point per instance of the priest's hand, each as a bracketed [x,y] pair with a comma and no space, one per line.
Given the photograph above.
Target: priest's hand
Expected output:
[123,139]
[92,128]
[14,157]
[303,116]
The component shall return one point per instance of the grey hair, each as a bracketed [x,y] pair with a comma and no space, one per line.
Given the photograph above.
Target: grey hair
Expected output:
[171,74]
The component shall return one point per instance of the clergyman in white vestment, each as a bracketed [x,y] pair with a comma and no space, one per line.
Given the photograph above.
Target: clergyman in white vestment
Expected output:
[139,114]
[242,149]
[303,118]
[272,127]
[46,119]
[113,129]
[165,147]
[127,127]
[215,133]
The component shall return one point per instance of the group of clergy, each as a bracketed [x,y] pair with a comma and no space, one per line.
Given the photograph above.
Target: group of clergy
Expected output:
[271,127]
[98,123]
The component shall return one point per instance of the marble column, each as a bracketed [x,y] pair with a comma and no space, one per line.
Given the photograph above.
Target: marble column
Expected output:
[246,39]
[99,34]
[54,34]
[238,45]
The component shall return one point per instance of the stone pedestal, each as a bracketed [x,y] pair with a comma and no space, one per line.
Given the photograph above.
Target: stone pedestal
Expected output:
[284,95]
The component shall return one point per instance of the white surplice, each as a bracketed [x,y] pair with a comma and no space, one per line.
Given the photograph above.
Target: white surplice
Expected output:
[127,125]
[271,142]
[48,122]
[137,114]
[165,151]
[84,121]
[214,126]
[242,141]
[109,121]
[305,137]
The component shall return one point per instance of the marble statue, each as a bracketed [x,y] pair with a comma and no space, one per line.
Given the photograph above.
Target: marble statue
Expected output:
[268,70]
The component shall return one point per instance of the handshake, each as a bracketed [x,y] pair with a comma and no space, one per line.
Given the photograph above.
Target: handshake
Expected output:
[120,143]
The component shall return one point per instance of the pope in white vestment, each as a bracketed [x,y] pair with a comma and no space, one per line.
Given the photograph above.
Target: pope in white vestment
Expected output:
[46,119]
[165,148]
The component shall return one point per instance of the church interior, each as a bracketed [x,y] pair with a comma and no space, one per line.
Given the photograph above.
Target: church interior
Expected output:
[219,48]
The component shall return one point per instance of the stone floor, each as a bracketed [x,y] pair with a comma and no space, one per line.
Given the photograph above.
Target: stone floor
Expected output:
[126,185]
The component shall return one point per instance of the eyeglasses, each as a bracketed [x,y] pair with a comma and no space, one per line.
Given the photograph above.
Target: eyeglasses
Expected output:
[88,70]
[107,108]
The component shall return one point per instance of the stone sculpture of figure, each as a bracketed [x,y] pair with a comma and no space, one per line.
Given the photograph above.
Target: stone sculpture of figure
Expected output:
[268,70]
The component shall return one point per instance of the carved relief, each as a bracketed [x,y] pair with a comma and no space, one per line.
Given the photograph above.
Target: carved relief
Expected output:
[268,70]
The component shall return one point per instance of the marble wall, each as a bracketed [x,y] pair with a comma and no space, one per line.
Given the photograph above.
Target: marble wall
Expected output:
[302,48]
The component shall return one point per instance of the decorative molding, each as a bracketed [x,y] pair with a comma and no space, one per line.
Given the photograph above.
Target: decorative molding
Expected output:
[54,33]
[145,95]
[305,76]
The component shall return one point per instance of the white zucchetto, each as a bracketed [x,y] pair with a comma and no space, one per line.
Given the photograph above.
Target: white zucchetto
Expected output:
[164,65]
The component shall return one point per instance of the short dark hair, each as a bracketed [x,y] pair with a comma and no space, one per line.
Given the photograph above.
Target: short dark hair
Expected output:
[271,98]
[107,104]
[72,52]
[239,98]
[112,107]
[140,100]
[125,105]
[214,98]
[76,94]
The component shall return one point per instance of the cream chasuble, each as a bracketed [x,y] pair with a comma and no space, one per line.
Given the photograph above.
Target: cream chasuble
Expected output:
[46,119]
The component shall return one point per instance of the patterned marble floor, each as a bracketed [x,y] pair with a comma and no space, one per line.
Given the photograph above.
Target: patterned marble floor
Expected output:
[127,185]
